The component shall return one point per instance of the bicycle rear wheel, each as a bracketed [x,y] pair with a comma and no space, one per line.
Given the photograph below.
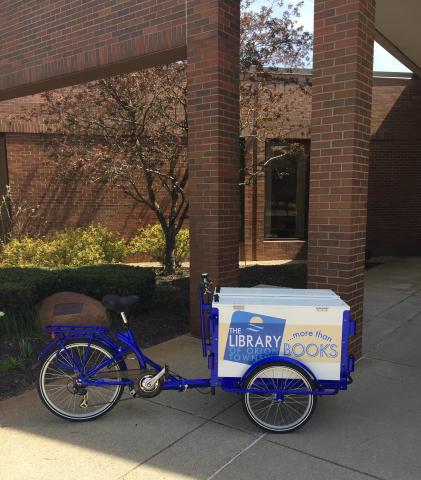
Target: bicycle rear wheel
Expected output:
[57,382]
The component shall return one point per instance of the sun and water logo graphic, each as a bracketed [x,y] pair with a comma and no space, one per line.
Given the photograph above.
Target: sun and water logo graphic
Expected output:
[252,337]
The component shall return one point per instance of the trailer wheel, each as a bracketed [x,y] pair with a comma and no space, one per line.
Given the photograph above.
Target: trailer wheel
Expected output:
[273,412]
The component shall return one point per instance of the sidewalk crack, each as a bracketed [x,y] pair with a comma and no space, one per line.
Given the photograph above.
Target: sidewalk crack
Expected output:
[346,467]
[146,460]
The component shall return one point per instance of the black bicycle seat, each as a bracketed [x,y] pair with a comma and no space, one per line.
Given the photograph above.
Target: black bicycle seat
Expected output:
[119,304]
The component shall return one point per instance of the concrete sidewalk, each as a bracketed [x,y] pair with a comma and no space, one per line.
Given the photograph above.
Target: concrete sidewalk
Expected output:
[371,431]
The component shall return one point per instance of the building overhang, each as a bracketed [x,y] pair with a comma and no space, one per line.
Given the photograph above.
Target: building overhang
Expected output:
[398,31]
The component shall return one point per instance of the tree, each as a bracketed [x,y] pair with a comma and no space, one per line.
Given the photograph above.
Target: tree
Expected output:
[18,218]
[131,130]
[268,95]
[271,36]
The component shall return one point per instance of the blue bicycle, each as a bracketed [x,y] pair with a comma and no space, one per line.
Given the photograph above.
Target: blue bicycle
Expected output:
[83,372]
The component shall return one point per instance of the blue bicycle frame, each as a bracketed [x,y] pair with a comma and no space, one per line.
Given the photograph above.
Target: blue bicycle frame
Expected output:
[125,343]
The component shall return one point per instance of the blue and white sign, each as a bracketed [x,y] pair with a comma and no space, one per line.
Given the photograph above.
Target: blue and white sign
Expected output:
[252,336]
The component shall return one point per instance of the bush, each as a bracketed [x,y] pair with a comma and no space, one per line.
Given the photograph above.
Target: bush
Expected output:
[151,241]
[21,289]
[182,250]
[70,247]
[99,280]
[93,245]
[25,251]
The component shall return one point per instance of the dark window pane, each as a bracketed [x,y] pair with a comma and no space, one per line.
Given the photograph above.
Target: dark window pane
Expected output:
[286,192]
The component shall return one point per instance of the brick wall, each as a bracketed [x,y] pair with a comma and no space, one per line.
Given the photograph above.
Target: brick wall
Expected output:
[394,193]
[20,115]
[51,44]
[33,182]
[394,202]
[296,125]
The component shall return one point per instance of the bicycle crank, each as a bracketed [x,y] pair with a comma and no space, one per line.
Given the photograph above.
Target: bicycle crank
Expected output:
[149,383]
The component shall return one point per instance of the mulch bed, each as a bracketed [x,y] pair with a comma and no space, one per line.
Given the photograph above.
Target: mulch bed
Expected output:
[19,379]
[166,318]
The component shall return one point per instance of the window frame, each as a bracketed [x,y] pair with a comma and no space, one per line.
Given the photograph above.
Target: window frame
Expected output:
[306,146]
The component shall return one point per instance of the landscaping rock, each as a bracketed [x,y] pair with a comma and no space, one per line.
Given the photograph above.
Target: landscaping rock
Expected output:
[69,308]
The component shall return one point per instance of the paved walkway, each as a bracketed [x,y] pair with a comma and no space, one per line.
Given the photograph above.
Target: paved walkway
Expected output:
[371,431]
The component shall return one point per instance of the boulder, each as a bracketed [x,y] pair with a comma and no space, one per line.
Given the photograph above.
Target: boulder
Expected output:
[69,308]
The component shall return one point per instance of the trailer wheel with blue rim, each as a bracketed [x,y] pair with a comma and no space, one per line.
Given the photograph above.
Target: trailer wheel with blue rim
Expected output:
[277,412]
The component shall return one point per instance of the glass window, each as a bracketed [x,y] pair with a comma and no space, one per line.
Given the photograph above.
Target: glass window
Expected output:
[286,191]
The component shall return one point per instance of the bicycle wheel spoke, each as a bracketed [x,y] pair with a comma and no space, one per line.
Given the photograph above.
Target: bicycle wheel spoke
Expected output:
[60,372]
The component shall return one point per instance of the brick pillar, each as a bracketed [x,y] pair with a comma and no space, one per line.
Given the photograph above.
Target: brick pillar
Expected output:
[213,33]
[341,112]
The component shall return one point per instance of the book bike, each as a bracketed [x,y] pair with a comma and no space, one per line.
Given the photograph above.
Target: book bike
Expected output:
[279,348]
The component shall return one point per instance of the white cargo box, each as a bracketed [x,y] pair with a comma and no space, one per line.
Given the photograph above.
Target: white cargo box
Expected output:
[255,323]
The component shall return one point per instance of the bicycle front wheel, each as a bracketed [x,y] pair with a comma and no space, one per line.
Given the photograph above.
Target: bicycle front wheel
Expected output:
[273,412]
[58,388]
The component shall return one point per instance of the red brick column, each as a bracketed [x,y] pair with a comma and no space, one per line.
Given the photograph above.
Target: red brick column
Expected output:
[341,112]
[213,106]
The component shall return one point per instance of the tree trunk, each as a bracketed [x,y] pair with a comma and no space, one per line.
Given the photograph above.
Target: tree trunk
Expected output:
[169,260]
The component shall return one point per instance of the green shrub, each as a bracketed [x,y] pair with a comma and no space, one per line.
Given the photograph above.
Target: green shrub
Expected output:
[151,242]
[25,286]
[70,247]
[99,280]
[25,251]
[21,289]
[90,246]
[182,249]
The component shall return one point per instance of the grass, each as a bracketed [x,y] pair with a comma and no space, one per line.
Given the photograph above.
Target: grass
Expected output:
[20,322]
[10,362]
[14,362]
